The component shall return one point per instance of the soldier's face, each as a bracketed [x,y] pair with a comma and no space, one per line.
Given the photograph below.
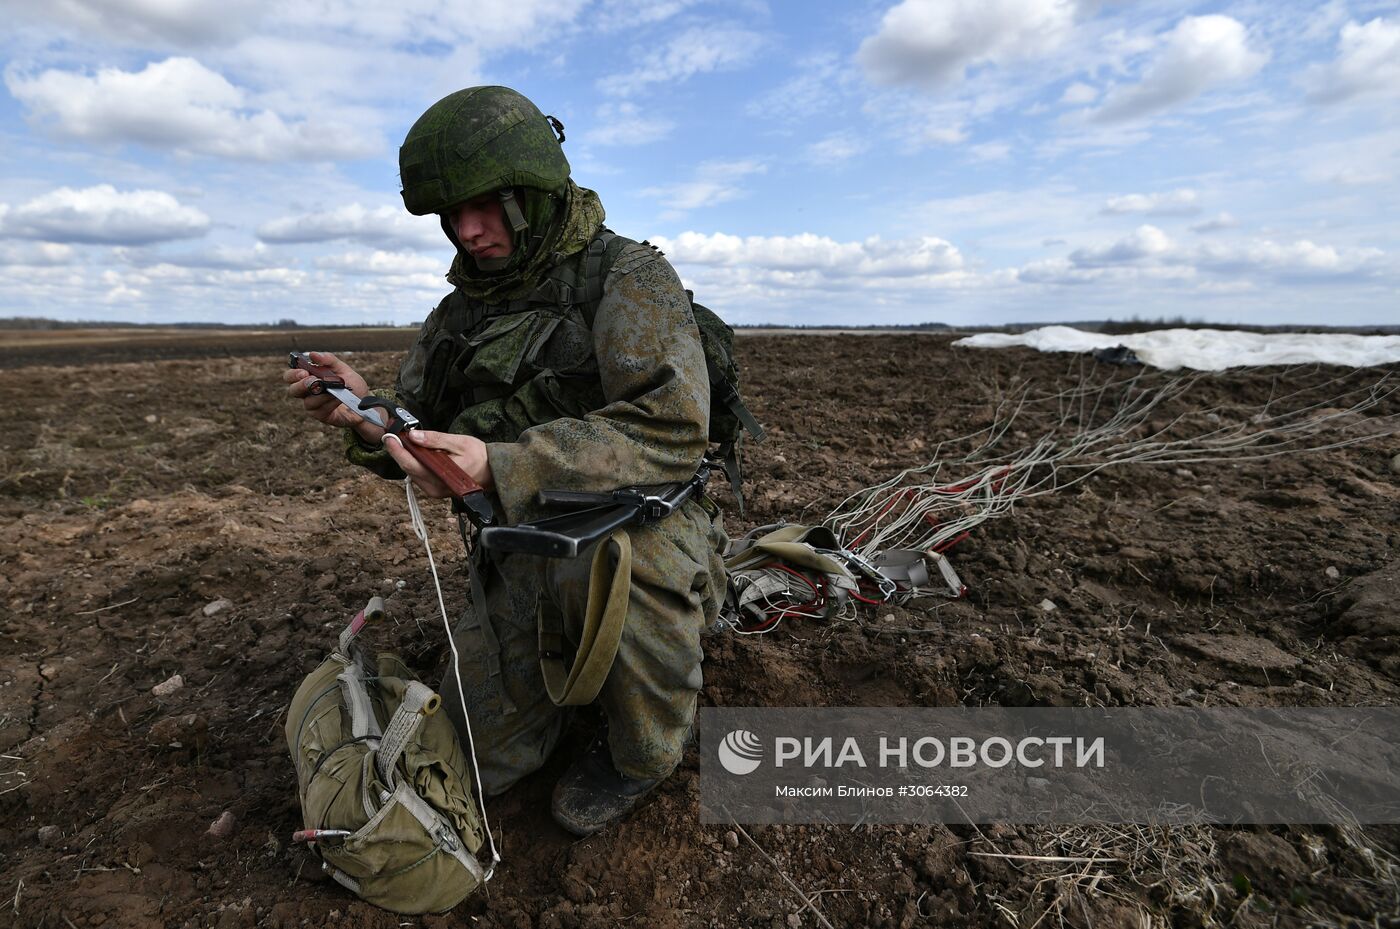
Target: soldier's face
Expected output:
[480,226]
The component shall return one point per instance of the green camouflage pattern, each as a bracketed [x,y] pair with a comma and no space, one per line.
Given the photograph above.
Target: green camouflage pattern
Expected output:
[578,221]
[474,141]
[562,405]
[650,694]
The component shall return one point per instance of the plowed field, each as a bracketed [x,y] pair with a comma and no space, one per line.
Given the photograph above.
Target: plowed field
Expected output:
[167,517]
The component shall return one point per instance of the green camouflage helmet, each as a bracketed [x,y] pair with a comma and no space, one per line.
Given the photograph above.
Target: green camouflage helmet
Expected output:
[478,140]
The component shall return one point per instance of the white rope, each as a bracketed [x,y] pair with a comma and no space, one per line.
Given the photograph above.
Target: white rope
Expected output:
[420,529]
[917,510]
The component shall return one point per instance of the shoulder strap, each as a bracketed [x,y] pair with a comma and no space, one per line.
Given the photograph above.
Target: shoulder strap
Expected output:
[593,271]
[598,261]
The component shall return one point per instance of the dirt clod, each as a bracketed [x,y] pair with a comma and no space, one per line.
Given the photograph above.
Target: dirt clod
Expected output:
[168,686]
[224,826]
[187,730]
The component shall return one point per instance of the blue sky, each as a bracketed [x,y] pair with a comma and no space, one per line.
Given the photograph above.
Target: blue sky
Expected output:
[964,161]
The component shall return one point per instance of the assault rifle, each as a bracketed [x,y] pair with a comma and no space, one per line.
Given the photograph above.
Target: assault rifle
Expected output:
[556,537]
[567,535]
[468,497]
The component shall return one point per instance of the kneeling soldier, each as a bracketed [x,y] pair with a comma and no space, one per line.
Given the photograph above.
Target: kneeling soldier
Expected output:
[565,358]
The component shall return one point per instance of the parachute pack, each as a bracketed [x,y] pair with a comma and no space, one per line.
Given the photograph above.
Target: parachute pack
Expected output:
[386,792]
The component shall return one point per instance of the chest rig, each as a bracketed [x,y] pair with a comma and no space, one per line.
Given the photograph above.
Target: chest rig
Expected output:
[495,369]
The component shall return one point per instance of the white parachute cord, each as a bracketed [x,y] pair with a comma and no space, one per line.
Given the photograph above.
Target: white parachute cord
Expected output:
[420,529]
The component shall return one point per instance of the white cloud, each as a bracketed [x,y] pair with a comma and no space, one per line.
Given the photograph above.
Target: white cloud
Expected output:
[1201,53]
[488,24]
[384,226]
[628,14]
[820,82]
[1180,202]
[1216,223]
[170,281]
[103,215]
[1300,259]
[176,105]
[932,43]
[694,51]
[714,182]
[1061,271]
[836,148]
[380,262]
[1367,64]
[1145,242]
[808,278]
[951,134]
[820,255]
[181,22]
[1350,160]
[1077,93]
[622,123]
[33,254]
[990,151]
[220,257]
[1150,254]
[1013,218]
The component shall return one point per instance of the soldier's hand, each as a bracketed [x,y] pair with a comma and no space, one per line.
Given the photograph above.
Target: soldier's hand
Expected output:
[328,409]
[467,452]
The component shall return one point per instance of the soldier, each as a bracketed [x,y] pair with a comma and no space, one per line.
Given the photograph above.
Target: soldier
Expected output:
[565,358]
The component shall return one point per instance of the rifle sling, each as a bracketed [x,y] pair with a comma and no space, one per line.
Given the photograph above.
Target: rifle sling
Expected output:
[609,591]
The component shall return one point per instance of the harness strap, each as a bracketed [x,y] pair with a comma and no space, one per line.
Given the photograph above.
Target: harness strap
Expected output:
[418,701]
[373,612]
[593,268]
[903,566]
[609,591]
[440,829]
[729,455]
[356,695]
[729,396]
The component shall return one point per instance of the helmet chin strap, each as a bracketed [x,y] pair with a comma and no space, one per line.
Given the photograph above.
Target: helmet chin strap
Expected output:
[514,215]
[518,224]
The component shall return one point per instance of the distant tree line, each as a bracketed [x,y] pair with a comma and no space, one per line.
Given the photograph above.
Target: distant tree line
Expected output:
[1107,326]
[41,323]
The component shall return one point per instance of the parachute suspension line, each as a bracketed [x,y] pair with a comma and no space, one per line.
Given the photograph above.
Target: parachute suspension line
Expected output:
[1092,426]
[915,510]
[420,529]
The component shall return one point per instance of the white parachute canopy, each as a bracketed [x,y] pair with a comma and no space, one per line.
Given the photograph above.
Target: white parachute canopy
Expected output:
[1208,349]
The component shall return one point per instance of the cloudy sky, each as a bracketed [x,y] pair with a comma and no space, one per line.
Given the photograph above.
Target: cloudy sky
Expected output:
[965,161]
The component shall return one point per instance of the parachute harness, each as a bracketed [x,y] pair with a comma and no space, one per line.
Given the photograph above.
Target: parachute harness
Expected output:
[783,571]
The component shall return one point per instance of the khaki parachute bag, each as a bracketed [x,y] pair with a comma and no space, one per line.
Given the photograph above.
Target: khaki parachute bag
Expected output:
[386,791]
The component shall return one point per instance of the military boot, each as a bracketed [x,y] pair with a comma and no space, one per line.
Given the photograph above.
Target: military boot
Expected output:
[593,793]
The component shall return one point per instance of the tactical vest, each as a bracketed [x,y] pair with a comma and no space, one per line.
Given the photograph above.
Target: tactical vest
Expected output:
[495,370]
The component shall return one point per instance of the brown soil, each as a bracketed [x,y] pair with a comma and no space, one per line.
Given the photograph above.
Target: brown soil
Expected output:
[23,347]
[134,495]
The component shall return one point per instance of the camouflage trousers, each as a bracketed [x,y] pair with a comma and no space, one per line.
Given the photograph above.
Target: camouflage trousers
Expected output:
[650,694]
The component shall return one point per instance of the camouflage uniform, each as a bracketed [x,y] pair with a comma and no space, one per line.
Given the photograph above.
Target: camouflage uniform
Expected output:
[563,404]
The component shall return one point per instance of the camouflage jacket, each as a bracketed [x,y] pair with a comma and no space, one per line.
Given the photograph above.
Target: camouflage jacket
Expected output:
[562,404]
